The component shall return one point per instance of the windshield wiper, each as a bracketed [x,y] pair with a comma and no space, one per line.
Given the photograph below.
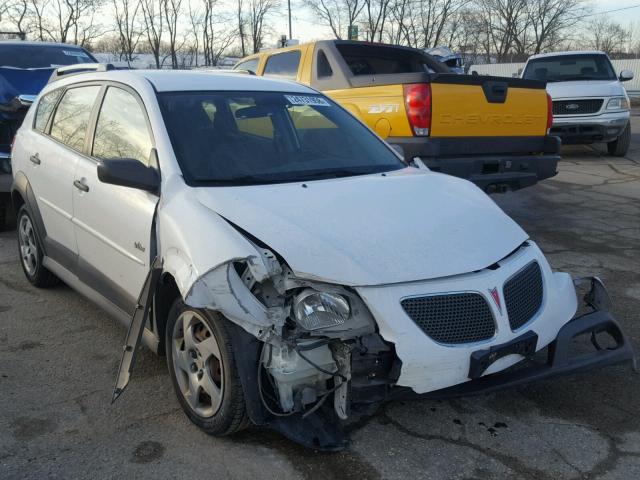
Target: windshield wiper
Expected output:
[240,180]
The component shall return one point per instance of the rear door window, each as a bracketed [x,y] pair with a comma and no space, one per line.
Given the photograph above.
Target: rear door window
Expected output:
[283,65]
[71,120]
[121,129]
[45,108]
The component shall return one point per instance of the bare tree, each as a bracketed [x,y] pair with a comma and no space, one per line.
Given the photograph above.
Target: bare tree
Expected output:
[154,27]
[17,14]
[259,11]
[607,35]
[505,22]
[171,11]
[376,15]
[337,14]
[551,21]
[127,18]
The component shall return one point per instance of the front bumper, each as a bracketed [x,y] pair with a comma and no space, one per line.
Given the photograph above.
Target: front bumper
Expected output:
[432,368]
[575,130]
[492,163]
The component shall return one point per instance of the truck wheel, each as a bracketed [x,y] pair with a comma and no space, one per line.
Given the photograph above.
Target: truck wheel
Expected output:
[620,146]
[31,254]
[201,361]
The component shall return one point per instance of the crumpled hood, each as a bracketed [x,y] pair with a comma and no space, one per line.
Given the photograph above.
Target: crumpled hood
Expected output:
[22,81]
[371,230]
[595,88]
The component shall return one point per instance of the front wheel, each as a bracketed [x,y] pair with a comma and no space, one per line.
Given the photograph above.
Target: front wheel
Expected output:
[201,361]
[620,146]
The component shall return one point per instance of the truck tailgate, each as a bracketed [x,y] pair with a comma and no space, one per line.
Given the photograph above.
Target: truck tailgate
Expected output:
[482,106]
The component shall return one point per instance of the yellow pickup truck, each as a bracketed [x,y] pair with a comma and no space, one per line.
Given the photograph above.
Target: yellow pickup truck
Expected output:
[490,130]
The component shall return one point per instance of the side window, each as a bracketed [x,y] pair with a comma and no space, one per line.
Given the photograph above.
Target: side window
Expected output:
[71,119]
[121,130]
[45,108]
[283,64]
[251,65]
[324,69]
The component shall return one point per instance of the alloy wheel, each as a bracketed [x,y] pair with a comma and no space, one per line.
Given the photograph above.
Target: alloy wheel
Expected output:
[197,363]
[28,245]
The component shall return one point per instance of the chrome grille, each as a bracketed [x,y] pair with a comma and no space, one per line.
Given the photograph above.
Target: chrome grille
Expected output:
[577,107]
[523,295]
[453,318]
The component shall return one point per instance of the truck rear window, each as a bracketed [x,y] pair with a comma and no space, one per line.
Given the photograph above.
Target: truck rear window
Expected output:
[42,56]
[373,59]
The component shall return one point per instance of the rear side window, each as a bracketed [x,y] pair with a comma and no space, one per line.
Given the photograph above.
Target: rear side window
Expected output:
[324,69]
[250,65]
[71,119]
[283,64]
[45,108]
[121,130]
[378,60]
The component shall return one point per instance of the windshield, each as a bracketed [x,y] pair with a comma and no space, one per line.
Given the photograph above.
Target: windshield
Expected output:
[566,68]
[239,138]
[42,56]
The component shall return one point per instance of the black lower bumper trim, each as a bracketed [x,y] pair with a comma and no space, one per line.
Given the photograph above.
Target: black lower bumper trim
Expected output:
[576,134]
[559,360]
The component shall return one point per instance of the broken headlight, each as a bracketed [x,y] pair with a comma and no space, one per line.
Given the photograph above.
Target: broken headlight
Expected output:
[314,310]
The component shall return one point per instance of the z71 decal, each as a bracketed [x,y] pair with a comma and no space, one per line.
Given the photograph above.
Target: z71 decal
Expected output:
[384,108]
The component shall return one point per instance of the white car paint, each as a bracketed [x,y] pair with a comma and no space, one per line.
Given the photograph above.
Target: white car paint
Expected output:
[390,236]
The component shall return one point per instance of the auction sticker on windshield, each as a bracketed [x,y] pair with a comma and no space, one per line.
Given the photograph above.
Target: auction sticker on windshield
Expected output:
[307,100]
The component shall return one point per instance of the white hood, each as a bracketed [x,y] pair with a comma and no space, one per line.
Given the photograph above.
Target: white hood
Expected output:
[372,230]
[578,89]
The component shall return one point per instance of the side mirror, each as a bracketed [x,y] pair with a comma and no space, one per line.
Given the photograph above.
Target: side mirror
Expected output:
[128,172]
[625,75]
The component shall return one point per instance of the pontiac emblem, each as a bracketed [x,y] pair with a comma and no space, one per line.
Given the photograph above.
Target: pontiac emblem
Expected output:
[496,298]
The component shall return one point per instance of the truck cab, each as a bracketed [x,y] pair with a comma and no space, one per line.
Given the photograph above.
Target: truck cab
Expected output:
[590,105]
[490,130]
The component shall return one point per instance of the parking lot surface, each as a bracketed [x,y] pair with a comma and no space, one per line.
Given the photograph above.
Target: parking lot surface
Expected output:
[59,355]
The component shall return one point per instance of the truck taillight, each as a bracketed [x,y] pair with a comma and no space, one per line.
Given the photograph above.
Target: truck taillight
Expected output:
[417,102]
[549,112]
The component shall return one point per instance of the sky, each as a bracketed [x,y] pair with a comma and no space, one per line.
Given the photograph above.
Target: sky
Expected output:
[306,28]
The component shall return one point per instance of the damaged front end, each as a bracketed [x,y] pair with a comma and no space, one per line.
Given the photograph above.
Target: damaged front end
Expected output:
[316,354]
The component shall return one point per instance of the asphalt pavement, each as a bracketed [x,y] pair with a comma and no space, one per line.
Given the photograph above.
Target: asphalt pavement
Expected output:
[59,355]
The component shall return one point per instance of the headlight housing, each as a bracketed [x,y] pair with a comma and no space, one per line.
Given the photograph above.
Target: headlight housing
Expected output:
[314,310]
[618,103]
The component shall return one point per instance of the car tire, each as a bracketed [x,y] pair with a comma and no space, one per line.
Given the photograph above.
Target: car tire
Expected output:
[31,253]
[202,367]
[620,146]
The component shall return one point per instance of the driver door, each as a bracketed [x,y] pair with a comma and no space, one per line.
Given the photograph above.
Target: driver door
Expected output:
[114,224]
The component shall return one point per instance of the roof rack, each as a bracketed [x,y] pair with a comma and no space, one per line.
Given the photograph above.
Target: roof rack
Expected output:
[77,68]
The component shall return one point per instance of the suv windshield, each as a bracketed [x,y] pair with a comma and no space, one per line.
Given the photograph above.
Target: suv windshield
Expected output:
[239,138]
[570,67]
[42,55]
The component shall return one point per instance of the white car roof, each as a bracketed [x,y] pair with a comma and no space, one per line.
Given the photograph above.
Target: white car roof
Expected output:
[557,54]
[190,80]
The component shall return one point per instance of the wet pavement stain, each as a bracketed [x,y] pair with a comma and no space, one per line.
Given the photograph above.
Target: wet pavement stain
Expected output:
[147,452]
[311,464]
[28,428]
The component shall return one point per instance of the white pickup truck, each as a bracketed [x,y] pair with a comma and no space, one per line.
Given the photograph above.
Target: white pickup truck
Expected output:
[590,105]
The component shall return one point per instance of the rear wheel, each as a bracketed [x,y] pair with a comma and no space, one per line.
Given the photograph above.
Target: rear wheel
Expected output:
[31,254]
[201,361]
[620,146]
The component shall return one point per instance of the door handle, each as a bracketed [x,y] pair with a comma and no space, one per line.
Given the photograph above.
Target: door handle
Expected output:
[35,159]
[80,185]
